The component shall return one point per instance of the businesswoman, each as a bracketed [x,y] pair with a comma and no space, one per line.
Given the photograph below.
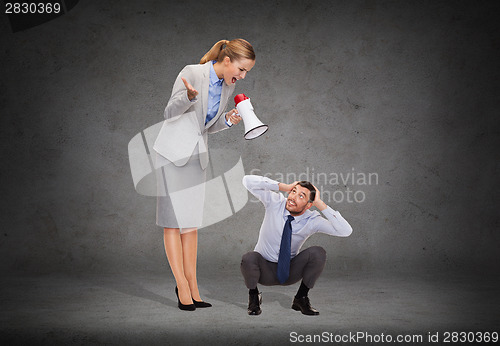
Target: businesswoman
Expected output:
[196,107]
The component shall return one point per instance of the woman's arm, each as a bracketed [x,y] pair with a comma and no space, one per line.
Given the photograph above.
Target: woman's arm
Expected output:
[183,89]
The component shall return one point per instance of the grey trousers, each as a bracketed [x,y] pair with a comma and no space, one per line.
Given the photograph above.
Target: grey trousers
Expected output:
[307,265]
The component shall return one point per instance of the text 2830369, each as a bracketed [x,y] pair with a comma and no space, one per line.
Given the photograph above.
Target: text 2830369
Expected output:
[32,7]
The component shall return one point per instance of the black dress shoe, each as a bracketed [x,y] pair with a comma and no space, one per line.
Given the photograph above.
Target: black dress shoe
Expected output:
[303,305]
[187,307]
[201,304]
[254,301]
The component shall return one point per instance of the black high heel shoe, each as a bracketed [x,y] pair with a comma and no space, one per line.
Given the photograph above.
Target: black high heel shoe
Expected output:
[201,304]
[188,307]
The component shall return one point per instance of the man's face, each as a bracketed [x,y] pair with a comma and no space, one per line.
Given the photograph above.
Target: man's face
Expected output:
[298,200]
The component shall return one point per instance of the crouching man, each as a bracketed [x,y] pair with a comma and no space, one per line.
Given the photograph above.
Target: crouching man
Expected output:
[288,222]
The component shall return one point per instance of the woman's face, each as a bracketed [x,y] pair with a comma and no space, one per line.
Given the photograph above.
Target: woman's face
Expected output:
[236,70]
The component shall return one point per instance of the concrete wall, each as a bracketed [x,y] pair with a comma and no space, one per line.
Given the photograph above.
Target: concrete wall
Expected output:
[407,91]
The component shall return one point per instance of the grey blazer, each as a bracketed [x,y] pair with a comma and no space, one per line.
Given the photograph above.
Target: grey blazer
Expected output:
[184,126]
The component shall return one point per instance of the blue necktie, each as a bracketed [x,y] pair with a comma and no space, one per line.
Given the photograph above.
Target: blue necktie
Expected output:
[285,251]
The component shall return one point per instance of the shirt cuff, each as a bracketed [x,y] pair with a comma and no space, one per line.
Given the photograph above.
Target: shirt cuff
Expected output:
[228,123]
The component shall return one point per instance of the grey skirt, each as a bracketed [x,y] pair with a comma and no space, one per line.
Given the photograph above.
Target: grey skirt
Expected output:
[180,193]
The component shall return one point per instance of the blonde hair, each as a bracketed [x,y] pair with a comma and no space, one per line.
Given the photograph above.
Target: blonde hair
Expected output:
[236,49]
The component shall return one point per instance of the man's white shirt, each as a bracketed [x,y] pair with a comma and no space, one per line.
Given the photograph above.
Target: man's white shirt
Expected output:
[305,225]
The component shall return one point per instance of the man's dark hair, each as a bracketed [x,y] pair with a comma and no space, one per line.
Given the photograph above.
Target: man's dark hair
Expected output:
[310,187]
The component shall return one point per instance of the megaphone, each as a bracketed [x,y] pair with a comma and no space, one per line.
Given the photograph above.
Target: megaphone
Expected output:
[253,126]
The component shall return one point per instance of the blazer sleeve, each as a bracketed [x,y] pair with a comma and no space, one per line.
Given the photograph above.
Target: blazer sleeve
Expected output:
[179,102]
[219,125]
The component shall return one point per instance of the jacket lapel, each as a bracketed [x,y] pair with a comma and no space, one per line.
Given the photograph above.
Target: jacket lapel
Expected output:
[223,98]
[204,92]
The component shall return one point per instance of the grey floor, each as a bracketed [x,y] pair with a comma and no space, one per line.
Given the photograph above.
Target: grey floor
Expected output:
[129,309]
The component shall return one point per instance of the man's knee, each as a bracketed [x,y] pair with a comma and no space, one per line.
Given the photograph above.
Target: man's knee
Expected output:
[318,254]
[249,258]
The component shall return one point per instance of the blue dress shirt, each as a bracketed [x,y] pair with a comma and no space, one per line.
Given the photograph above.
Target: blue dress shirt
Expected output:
[214,92]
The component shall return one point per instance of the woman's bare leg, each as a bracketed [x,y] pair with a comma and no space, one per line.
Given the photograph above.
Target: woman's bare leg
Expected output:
[189,240]
[174,251]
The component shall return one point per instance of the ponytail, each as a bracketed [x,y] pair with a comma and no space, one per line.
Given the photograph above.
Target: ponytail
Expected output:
[236,49]
[213,53]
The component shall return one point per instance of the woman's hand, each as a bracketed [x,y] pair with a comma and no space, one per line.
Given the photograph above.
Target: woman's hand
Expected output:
[191,92]
[233,116]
